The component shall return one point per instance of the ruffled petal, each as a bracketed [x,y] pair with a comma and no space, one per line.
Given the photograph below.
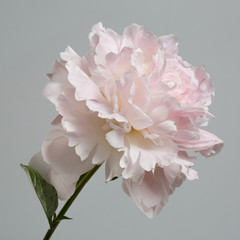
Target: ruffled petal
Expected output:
[83,128]
[161,152]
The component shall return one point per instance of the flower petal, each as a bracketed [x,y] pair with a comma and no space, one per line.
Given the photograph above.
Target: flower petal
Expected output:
[64,187]
[170,43]
[85,87]
[112,167]
[151,194]
[208,144]
[150,153]
[63,158]
[40,165]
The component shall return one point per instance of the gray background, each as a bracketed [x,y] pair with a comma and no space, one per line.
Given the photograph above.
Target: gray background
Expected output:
[33,33]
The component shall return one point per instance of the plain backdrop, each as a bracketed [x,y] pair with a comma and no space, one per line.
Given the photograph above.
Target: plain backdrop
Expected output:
[33,33]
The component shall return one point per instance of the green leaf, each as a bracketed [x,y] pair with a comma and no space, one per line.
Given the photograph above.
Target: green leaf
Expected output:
[46,193]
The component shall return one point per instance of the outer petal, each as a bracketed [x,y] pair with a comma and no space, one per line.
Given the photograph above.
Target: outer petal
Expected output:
[63,158]
[146,41]
[112,167]
[151,194]
[40,165]
[181,169]
[208,144]
[59,82]
[83,128]
[64,187]
[108,41]
[97,29]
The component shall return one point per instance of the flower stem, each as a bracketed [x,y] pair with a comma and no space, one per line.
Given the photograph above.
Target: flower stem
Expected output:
[61,215]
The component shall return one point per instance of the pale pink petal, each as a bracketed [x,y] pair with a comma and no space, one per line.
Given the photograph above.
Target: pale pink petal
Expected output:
[141,39]
[105,111]
[160,113]
[208,144]
[138,119]
[173,174]
[102,152]
[40,165]
[151,194]
[63,158]
[150,153]
[169,43]
[116,138]
[85,87]
[119,64]
[83,128]
[72,58]
[181,169]
[142,93]
[59,82]
[206,89]
[131,167]
[109,42]
[166,129]
[97,29]
[134,32]
[64,188]
[112,167]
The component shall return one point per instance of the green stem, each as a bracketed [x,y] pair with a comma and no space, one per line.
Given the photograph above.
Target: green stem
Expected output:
[80,184]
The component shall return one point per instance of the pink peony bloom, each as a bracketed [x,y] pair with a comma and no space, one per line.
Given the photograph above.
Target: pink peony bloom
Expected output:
[134,104]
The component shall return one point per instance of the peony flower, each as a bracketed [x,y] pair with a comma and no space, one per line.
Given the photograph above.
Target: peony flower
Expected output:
[134,104]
